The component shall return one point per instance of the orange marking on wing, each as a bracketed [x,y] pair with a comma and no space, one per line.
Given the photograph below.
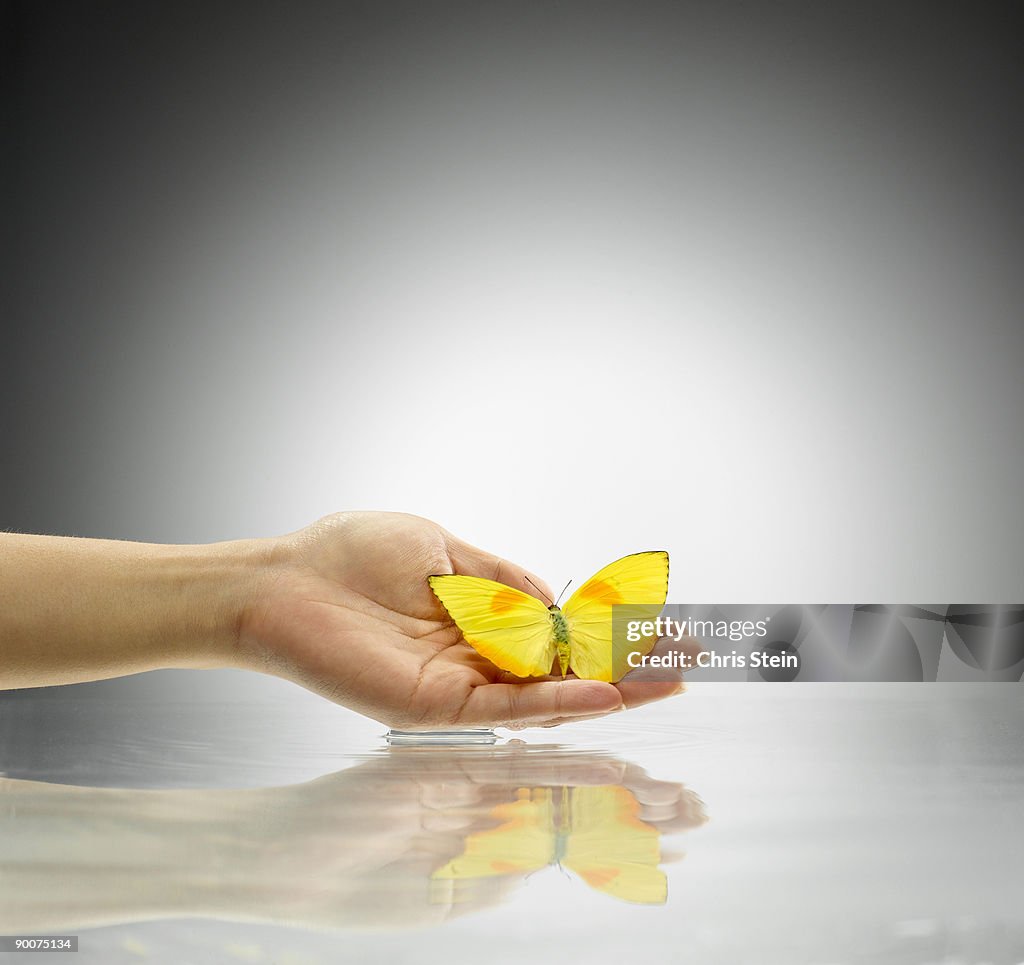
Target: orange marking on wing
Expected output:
[599,877]
[504,867]
[599,590]
[504,600]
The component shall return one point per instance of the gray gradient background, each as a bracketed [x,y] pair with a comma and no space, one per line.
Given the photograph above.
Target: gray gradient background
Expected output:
[740,281]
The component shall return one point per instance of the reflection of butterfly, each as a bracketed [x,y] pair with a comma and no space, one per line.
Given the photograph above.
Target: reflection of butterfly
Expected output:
[596,834]
[516,632]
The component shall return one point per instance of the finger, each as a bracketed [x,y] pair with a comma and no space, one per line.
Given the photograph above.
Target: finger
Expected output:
[558,721]
[448,794]
[636,693]
[676,806]
[671,855]
[440,822]
[472,561]
[683,820]
[692,811]
[659,814]
[671,656]
[552,771]
[648,790]
[520,705]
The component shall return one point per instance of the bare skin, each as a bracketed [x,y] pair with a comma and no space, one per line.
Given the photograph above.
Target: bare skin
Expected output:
[341,607]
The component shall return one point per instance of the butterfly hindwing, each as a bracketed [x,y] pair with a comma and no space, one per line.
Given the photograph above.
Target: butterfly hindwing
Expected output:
[640,580]
[612,849]
[510,628]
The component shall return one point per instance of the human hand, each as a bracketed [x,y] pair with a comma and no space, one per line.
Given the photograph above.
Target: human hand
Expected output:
[345,610]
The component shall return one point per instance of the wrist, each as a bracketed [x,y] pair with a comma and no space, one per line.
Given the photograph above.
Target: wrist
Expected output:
[263,575]
[223,584]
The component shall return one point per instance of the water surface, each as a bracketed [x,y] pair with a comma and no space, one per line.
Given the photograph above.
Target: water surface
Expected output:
[737,823]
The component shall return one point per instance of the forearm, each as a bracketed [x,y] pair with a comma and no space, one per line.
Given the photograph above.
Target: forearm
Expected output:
[84,609]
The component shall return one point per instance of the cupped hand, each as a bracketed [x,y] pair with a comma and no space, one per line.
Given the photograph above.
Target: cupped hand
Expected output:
[344,609]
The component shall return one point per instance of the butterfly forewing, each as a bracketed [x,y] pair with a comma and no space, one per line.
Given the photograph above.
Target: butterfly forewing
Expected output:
[612,849]
[510,628]
[639,580]
[522,842]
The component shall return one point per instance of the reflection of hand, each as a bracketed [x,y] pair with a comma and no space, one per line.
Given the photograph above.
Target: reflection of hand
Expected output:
[346,611]
[356,847]
[593,826]
[485,778]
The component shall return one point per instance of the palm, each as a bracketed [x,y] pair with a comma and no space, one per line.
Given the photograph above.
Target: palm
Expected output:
[351,616]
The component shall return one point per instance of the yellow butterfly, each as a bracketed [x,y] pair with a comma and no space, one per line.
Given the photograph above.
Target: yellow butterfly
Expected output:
[518,633]
[595,832]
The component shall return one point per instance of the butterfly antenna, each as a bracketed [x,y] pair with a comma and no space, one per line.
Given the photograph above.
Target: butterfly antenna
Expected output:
[564,588]
[539,590]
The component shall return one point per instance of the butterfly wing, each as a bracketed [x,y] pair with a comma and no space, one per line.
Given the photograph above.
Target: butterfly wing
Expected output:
[510,628]
[611,849]
[522,842]
[641,580]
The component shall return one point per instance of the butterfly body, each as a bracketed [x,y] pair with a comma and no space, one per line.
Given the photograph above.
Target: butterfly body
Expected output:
[560,633]
[518,633]
[595,832]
